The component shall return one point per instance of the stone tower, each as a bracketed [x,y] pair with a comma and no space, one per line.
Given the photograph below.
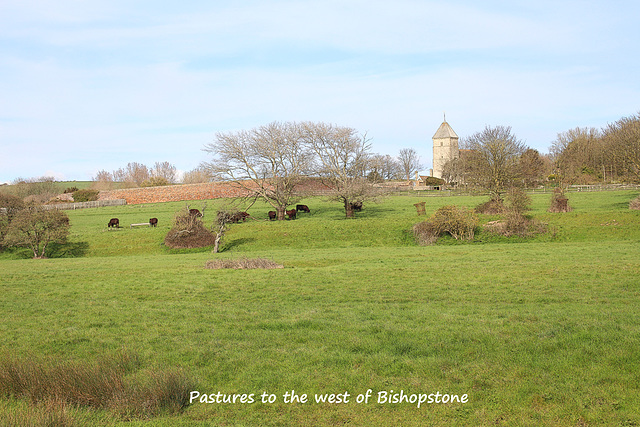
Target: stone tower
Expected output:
[445,148]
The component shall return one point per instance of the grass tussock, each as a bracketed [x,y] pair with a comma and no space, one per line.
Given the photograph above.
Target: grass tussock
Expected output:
[242,264]
[113,385]
[635,204]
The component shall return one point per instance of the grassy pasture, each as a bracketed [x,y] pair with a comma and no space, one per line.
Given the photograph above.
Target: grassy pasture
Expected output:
[543,332]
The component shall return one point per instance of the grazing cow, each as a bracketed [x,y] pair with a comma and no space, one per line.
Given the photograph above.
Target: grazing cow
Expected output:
[153,222]
[239,216]
[272,215]
[356,206]
[291,214]
[195,213]
[303,208]
[114,222]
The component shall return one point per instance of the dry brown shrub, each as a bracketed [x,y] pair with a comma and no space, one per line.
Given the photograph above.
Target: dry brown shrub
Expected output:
[459,222]
[490,207]
[635,204]
[425,233]
[188,231]
[559,202]
[516,224]
[242,264]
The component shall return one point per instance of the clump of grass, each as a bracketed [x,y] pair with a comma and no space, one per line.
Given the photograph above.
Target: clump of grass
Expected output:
[104,385]
[242,264]
[635,204]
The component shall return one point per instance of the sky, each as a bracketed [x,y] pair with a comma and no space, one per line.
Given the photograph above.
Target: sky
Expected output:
[93,85]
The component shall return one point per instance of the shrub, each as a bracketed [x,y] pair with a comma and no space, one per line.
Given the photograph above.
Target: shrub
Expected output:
[242,264]
[635,204]
[425,233]
[518,201]
[559,202]
[188,231]
[155,181]
[433,181]
[11,203]
[85,195]
[36,228]
[459,222]
[516,224]
[71,190]
[491,207]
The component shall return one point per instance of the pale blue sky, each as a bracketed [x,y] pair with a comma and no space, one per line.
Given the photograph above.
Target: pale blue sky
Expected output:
[88,85]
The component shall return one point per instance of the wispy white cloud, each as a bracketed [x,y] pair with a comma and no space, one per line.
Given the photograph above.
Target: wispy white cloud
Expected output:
[93,85]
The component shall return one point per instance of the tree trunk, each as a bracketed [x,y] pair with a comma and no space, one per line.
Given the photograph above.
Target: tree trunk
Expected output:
[217,243]
[280,210]
[348,209]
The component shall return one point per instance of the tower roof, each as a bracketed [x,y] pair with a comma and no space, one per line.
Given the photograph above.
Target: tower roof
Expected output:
[445,131]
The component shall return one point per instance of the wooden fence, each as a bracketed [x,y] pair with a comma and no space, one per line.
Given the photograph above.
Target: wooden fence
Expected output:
[85,205]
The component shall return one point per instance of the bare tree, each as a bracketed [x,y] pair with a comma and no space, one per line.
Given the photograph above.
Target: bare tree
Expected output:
[409,162]
[492,160]
[622,143]
[384,167]
[268,162]
[196,176]
[342,157]
[164,170]
[573,153]
[132,175]
[103,180]
[533,167]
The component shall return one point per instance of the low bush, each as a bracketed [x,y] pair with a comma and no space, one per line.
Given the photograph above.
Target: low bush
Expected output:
[242,264]
[518,201]
[425,233]
[490,207]
[516,224]
[459,222]
[156,181]
[559,202]
[188,232]
[85,195]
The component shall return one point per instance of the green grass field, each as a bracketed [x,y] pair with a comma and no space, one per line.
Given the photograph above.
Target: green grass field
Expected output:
[542,331]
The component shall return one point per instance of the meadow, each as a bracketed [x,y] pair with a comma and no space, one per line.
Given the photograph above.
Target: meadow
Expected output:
[539,331]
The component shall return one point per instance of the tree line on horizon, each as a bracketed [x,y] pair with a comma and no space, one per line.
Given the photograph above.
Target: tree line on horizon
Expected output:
[576,156]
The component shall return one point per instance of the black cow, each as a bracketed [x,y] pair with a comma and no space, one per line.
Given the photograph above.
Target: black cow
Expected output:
[239,216]
[291,214]
[303,208]
[114,222]
[356,206]
[153,222]
[195,213]
[272,215]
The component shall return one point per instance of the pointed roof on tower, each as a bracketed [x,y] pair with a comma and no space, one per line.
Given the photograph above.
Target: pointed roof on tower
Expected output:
[445,131]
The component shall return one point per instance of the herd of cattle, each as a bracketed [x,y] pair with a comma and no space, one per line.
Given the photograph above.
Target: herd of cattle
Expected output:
[238,216]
